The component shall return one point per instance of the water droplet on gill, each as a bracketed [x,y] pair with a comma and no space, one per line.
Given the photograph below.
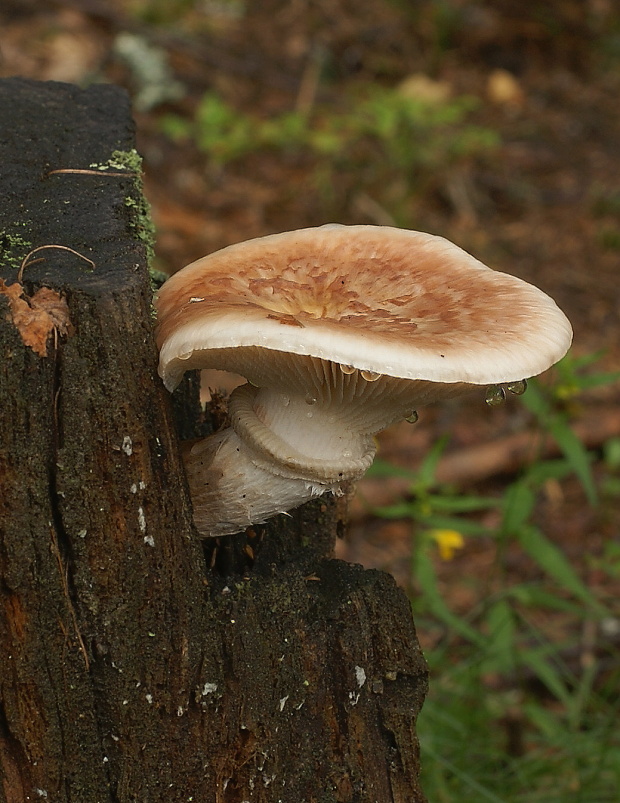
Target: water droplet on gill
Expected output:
[185,355]
[370,376]
[286,401]
[412,419]
[518,388]
[496,395]
[310,399]
[347,369]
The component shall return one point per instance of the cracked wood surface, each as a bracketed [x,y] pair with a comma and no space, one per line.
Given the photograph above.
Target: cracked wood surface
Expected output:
[136,664]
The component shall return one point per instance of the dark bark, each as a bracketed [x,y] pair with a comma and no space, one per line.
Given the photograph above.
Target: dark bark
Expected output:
[137,664]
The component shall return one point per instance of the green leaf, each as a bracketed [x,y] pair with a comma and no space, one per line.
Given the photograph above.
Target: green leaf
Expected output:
[467,779]
[519,502]
[401,510]
[425,475]
[382,468]
[463,504]
[559,428]
[533,596]
[553,561]
[463,526]
[536,402]
[546,672]
[501,639]
[596,380]
[545,720]
[424,573]
[571,447]
[576,455]
[539,473]
[611,453]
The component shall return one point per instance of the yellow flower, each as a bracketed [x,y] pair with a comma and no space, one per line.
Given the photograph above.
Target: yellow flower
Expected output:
[448,541]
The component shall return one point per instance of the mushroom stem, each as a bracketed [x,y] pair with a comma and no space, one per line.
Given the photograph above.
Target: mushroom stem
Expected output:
[230,489]
[268,462]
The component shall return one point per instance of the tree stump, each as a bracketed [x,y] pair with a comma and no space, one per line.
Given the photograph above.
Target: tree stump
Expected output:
[136,663]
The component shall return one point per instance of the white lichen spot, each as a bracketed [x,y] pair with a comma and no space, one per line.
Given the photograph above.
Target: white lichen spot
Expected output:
[127,446]
[149,698]
[354,697]
[148,539]
[360,676]
[41,792]
[180,711]
[141,519]
[134,488]
[82,534]
[209,688]
[283,702]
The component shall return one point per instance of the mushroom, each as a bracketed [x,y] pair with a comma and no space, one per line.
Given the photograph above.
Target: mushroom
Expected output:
[340,331]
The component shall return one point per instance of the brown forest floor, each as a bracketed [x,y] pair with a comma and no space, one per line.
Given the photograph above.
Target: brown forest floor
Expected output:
[544,206]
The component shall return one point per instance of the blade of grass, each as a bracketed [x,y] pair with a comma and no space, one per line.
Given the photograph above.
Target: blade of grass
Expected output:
[464,777]
[576,454]
[569,444]
[545,672]
[554,563]
[424,573]
[519,501]
[500,651]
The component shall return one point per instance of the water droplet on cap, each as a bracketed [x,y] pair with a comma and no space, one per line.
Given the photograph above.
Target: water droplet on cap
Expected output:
[496,395]
[310,399]
[185,355]
[370,376]
[347,369]
[518,388]
[413,417]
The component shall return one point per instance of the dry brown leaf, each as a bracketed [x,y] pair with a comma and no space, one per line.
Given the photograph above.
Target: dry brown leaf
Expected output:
[37,318]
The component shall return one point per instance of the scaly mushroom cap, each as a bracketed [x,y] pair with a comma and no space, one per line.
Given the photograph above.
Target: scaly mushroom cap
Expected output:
[389,301]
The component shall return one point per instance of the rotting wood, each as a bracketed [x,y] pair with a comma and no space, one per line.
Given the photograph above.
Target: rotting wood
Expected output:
[136,663]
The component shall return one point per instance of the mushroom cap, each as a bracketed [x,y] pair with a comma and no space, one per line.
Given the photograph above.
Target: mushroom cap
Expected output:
[390,301]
